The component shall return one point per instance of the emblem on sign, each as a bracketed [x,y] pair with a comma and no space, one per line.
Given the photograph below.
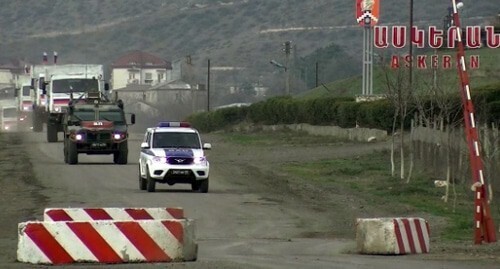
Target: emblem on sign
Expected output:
[367,4]
[367,12]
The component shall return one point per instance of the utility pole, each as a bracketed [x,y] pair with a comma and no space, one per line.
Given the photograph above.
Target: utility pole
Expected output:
[317,71]
[410,79]
[288,46]
[208,86]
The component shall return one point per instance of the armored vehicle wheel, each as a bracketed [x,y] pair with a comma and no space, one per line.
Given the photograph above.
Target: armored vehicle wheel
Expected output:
[51,133]
[121,157]
[142,181]
[65,151]
[151,183]
[72,153]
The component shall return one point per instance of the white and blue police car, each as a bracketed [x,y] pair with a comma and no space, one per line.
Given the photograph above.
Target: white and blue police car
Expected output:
[172,153]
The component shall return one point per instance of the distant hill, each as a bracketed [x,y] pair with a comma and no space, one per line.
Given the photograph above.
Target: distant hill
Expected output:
[244,33]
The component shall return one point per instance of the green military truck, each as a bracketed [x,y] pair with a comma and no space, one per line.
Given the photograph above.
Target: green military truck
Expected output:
[96,125]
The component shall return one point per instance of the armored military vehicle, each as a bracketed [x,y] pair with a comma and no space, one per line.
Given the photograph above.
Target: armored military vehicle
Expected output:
[95,125]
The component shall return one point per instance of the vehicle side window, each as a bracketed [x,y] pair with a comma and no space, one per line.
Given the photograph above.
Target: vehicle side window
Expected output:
[148,138]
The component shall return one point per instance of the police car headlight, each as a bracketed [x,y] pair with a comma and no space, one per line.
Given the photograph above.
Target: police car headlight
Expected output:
[200,160]
[159,159]
[79,137]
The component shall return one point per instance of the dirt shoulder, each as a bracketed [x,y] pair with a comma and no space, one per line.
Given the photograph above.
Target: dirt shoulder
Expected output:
[19,193]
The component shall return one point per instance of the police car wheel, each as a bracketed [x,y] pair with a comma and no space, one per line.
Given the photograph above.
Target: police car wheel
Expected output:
[150,182]
[203,186]
[195,186]
[142,181]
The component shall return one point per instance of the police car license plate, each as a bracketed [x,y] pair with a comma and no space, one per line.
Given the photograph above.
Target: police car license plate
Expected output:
[180,172]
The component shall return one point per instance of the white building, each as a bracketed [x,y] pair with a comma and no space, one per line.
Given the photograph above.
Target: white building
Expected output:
[141,68]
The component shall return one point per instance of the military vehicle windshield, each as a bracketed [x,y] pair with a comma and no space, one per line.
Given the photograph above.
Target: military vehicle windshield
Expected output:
[116,116]
[7,93]
[75,85]
[10,112]
[26,90]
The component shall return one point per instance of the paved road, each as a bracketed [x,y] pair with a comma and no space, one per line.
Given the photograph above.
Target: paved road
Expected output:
[238,224]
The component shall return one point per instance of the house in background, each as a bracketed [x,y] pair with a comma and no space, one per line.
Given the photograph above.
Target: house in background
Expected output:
[11,70]
[140,68]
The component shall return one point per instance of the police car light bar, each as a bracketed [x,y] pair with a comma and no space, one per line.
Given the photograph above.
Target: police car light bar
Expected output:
[174,124]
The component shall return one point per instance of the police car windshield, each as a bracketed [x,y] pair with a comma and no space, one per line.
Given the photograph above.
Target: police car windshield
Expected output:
[176,140]
[74,85]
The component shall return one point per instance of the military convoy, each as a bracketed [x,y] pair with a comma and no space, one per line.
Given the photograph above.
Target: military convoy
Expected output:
[73,99]
[95,125]
[53,84]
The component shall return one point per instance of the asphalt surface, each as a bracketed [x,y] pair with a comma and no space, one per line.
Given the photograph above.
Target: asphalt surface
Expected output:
[238,225]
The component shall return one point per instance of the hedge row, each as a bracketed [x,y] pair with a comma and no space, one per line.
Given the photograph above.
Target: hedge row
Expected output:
[343,112]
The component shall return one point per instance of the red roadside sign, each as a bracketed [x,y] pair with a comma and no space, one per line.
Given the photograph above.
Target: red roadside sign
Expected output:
[367,10]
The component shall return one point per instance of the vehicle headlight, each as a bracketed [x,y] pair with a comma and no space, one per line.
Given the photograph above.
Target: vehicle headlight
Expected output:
[200,160]
[159,159]
[77,137]
[7,127]
[118,136]
[57,109]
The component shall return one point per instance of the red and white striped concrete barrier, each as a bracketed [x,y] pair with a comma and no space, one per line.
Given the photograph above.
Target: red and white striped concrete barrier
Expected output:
[392,236]
[65,242]
[112,213]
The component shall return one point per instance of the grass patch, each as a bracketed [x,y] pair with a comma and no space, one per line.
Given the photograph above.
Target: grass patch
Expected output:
[330,170]
[285,137]
[369,177]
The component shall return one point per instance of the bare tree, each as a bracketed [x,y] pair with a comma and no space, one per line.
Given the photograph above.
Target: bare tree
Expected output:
[436,106]
[399,93]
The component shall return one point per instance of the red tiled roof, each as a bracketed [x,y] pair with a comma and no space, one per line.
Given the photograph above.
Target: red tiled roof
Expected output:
[140,59]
